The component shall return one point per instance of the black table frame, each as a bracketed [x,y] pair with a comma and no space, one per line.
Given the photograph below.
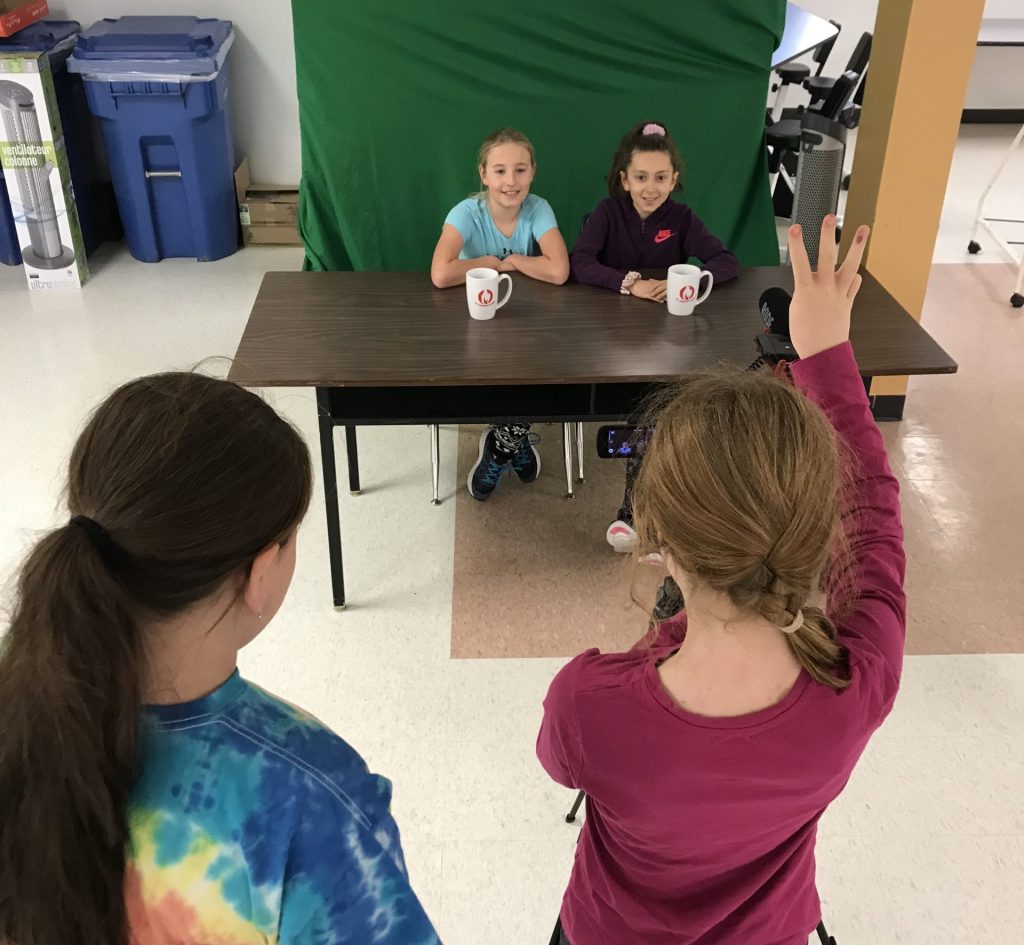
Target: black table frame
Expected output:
[605,402]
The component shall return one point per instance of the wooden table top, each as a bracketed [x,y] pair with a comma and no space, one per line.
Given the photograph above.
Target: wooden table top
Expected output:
[375,329]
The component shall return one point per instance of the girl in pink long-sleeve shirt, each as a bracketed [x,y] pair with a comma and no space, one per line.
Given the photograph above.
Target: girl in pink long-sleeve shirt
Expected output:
[709,755]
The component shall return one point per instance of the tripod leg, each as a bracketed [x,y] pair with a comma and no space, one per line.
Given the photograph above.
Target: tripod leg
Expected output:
[571,816]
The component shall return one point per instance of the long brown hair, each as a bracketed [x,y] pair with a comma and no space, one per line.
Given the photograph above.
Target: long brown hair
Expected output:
[636,140]
[189,478]
[741,485]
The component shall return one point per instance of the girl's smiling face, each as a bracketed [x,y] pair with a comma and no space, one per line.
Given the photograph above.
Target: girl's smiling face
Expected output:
[649,179]
[507,175]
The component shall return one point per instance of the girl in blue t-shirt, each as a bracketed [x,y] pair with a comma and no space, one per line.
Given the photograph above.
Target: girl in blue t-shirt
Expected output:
[150,793]
[504,227]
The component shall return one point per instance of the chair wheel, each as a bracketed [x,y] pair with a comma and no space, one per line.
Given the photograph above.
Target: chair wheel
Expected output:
[973,248]
[1017,300]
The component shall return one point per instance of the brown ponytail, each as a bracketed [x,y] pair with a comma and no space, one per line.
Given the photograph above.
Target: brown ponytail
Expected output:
[814,642]
[189,478]
[741,485]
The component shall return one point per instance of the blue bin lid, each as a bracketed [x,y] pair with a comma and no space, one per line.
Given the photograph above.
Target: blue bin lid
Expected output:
[169,44]
[41,36]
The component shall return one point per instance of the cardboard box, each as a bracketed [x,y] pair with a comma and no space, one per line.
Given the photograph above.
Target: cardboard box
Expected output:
[35,165]
[16,14]
[242,181]
[271,234]
[269,213]
[270,206]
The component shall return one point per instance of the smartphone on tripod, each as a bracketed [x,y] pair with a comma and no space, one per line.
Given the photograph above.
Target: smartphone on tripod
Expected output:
[621,440]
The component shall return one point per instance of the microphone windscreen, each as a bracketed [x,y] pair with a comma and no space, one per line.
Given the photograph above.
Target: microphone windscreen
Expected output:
[774,308]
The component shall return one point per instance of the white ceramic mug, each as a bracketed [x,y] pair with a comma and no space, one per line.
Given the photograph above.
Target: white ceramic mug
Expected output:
[482,287]
[684,293]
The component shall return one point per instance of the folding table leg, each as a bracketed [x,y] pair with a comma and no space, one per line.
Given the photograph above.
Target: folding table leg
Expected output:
[352,451]
[567,442]
[330,473]
[579,450]
[435,459]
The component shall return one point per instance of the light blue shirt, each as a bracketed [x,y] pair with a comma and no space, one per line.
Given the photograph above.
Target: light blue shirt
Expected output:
[481,237]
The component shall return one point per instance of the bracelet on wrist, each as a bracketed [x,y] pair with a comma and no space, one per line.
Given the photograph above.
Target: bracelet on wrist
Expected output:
[628,282]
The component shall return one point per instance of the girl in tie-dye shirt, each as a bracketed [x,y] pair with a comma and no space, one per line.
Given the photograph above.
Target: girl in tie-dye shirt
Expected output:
[150,794]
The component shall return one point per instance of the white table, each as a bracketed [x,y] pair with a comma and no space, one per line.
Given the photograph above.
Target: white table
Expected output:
[803,32]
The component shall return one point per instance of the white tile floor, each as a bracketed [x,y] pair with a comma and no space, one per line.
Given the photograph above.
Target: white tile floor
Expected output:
[925,846]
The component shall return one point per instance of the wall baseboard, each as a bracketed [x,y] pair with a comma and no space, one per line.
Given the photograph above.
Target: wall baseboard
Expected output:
[992,116]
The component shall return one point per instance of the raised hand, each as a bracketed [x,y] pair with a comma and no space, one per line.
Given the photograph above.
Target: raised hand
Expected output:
[819,315]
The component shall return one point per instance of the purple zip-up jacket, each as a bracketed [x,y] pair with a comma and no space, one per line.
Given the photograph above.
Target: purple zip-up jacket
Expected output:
[615,241]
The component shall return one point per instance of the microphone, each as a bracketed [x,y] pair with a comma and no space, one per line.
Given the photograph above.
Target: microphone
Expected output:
[774,306]
[773,343]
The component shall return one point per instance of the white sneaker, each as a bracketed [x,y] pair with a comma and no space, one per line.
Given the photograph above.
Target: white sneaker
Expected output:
[621,537]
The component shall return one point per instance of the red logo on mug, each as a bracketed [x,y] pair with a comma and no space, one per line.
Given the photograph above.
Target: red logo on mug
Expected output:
[687,292]
[485,296]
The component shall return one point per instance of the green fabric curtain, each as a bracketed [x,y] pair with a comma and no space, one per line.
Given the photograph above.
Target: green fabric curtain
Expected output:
[396,95]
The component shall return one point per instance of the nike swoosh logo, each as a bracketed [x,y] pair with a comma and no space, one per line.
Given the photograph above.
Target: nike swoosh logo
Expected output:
[661,237]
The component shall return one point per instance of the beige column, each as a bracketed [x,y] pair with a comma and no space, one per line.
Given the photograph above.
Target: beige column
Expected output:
[920,63]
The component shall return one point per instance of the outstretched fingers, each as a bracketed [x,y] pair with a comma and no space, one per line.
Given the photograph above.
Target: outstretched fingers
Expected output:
[827,249]
[854,257]
[798,260]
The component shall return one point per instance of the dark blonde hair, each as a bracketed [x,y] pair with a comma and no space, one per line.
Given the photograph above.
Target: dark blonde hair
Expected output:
[636,140]
[188,479]
[495,138]
[503,136]
[741,486]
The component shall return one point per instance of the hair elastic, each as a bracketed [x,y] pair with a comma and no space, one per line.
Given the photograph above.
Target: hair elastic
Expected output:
[91,527]
[652,128]
[98,535]
[798,622]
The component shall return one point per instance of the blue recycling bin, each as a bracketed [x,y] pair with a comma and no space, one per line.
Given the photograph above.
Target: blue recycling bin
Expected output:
[159,86]
[10,251]
[57,39]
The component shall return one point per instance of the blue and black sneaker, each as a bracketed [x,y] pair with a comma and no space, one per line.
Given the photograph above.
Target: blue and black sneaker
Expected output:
[526,459]
[487,469]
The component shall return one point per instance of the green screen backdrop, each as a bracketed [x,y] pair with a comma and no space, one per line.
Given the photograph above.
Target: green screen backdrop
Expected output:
[395,97]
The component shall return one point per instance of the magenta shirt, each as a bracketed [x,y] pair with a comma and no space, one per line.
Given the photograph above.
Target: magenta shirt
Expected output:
[700,831]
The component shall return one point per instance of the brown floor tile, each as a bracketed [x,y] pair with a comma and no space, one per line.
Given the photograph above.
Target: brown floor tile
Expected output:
[533,573]
[534,577]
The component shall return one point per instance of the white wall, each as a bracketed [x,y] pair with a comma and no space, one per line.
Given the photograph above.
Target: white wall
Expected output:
[265,110]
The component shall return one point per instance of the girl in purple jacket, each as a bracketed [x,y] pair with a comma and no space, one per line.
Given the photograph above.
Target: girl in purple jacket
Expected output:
[640,227]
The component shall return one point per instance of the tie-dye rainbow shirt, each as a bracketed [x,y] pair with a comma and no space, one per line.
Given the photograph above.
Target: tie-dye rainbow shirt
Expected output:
[253,823]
